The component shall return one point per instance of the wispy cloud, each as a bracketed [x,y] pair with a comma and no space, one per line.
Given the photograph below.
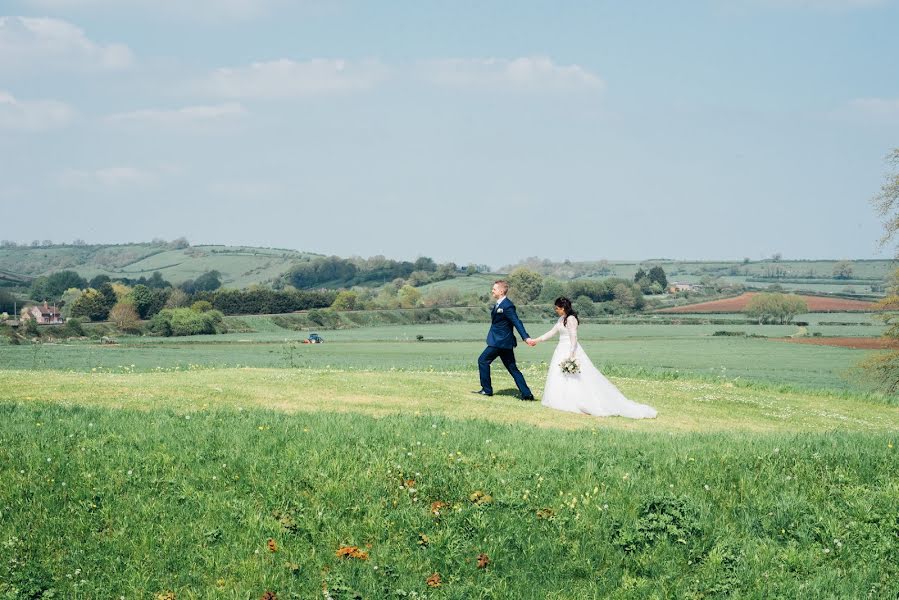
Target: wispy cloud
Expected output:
[35,115]
[286,78]
[108,177]
[879,110]
[27,42]
[247,190]
[180,117]
[525,73]
[204,10]
[827,5]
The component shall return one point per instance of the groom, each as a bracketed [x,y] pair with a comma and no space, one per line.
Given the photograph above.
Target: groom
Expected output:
[501,342]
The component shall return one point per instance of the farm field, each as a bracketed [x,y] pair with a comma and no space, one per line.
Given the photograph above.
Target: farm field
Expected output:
[738,303]
[246,463]
[654,350]
[235,482]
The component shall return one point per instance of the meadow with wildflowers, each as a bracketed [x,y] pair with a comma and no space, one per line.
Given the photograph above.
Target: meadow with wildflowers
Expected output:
[302,478]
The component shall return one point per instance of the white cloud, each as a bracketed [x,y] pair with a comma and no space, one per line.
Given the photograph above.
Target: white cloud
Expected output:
[530,73]
[204,10]
[26,42]
[247,190]
[828,5]
[285,78]
[36,115]
[881,110]
[109,177]
[180,117]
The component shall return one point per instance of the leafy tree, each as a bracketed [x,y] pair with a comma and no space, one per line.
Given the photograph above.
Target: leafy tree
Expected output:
[775,308]
[201,306]
[91,304]
[883,368]
[59,282]
[424,263]
[7,302]
[69,297]
[657,275]
[186,321]
[524,285]
[31,328]
[584,306]
[147,302]
[177,299]
[443,296]
[39,290]
[157,282]
[624,296]
[74,328]
[550,290]
[640,274]
[345,300]
[208,281]
[842,270]
[99,280]
[109,295]
[124,316]
[409,296]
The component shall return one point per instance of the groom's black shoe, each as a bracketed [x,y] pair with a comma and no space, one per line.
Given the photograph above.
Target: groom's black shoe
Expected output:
[528,398]
[482,393]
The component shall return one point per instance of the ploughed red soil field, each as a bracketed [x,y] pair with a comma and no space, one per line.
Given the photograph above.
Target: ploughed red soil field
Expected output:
[857,343]
[738,304]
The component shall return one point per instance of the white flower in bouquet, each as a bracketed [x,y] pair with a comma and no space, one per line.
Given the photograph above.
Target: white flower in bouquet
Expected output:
[570,366]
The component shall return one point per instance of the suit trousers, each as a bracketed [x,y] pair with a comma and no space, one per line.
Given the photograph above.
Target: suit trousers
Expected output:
[507,355]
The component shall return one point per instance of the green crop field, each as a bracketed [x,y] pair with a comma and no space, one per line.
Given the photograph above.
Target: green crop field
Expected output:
[234,465]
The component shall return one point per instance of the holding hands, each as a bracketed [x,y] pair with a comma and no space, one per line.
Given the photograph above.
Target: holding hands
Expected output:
[531,342]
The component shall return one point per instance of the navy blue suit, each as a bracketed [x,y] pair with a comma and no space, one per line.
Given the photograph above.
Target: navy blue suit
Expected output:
[501,343]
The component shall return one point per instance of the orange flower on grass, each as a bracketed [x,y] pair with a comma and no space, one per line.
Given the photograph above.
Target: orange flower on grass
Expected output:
[434,580]
[438,506]
[351,552]
[268,596]
[272,545]
[483,560]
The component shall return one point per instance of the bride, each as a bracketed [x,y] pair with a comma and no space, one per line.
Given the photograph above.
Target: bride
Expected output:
[587,392]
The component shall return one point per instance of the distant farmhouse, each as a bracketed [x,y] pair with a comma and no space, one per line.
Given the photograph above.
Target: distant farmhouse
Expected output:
[675,287]
[43,315]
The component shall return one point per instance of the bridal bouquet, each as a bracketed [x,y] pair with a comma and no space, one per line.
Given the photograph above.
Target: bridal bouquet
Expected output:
[570,366]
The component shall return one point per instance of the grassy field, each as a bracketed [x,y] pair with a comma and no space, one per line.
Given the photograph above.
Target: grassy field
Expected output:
[659,351]
[363,468]
[240,266]
[231,483]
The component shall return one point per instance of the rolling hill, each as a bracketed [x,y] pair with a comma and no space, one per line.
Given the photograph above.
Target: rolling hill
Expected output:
[240,266]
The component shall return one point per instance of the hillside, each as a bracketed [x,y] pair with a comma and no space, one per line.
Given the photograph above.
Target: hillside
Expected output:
[817,304]
[240,266]
[866,276]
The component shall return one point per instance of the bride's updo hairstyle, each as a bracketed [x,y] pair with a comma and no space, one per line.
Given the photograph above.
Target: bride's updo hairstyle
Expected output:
[565,304]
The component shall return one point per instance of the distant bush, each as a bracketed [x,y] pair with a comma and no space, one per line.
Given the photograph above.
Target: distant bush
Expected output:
[729,333]
[201,306]
[186,321]
[74,328]
[265,301]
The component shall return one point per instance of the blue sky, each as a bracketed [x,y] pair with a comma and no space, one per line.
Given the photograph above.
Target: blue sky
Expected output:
[465,131]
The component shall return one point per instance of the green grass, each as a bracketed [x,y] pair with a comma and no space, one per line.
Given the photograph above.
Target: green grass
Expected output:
[240,266]
[156,466]
[165,495]
[687,351]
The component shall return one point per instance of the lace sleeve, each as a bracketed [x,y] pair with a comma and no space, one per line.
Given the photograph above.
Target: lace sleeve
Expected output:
[571,326]
[551,332]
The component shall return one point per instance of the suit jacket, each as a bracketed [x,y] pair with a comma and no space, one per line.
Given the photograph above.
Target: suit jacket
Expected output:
[504,318]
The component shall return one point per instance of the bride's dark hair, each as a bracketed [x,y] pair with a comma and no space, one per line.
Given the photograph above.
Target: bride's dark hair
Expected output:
[565,304]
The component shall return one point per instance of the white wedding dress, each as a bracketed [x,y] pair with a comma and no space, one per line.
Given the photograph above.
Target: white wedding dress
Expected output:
[587,392]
